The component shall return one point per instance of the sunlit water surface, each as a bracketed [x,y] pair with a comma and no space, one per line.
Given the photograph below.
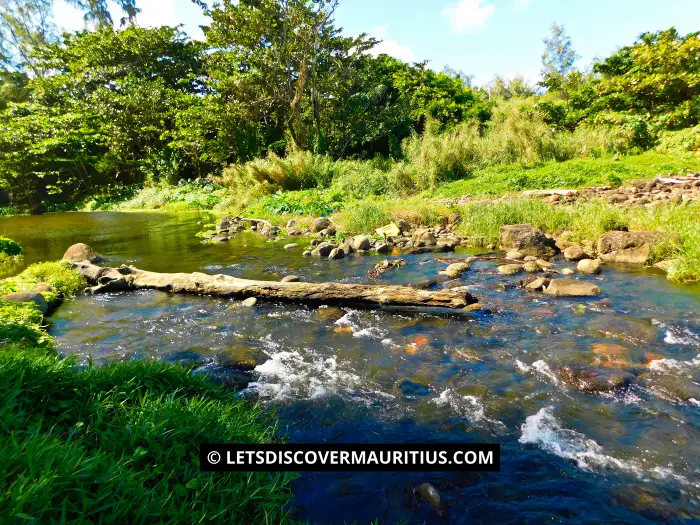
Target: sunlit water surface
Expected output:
[630,456]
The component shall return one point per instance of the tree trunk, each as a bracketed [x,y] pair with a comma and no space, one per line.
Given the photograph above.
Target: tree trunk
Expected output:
[105,279]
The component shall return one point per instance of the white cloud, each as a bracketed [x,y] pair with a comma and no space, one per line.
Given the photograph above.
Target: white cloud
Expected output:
[523,3]
[156,13]
[390,47]
[468,15]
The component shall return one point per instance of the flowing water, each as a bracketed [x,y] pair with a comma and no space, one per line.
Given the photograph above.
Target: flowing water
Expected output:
[567,456]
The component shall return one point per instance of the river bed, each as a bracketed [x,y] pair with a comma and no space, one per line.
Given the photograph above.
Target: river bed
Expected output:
[630,455]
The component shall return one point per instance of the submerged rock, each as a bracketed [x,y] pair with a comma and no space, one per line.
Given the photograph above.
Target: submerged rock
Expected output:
[571,288]
[81,252]
[329,314]
[28,297]
[431,495]
[456,269]
[593,379]
[538,284]
[242,357]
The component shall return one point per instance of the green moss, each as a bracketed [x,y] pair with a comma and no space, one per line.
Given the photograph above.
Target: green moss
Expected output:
[61,276]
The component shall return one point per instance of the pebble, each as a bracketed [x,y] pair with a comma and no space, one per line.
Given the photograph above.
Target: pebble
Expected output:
[250,302]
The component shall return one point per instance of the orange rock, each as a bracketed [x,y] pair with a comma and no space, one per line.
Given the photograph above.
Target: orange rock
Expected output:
[411,349]
[650,356]
[343,330]
[421,340]
[610,349]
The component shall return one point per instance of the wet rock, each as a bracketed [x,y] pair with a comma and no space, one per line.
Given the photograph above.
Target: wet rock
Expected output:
[28,297]
[545,265]
[222,237]
[336,253]
[574,253]
[328,232]
[291,279]
[567,271]
[531,267]
[329,314]
[588,266]
[510,269]
[307,253]
[647,501]
[423,237]
[593,379]
[530,258]
[320,224]
[456,269]
[571,288]
[627,247]
[448,244]
[81,252]
[361,242]
[242,357]
[527,240]
[184,358]
[538,284]
[324,249]
[630,330]
[453,283]
[291,246]
[431,495]
[514,254]
[225,224]
[250,302]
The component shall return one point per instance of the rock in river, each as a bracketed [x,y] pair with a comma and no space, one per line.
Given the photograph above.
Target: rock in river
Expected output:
[627,247]
[81,252]
[431,495]
[527,240]
[574,253]
[509,269]
[291,246]
[589,266]
[592,379]
[291,279]
[571,288]
[28,297]
[456,269]
[320,224]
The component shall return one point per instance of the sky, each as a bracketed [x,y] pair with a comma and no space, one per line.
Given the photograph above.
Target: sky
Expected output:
[483,38]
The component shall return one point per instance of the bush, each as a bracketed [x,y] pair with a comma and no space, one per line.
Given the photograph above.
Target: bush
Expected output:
[308,202]
[197,194]
[10,251]
[680,141]
[64,280]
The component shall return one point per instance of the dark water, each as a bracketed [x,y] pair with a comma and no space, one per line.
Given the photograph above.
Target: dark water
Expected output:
[632,456]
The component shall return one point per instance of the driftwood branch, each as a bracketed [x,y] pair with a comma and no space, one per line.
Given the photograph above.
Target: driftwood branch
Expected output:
[104,279]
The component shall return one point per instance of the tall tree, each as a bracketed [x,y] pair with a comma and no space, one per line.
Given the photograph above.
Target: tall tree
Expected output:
[558,59]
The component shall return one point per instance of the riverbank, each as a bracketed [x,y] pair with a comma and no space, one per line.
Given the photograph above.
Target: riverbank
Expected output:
[117,442]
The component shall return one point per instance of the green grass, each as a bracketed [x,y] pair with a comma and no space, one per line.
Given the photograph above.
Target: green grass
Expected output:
[571,174]
[119,443]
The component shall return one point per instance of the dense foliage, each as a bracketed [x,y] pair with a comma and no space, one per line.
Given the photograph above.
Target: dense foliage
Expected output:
[101,111]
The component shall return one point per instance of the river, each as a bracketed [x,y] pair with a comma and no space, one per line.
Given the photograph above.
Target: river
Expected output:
[567,456]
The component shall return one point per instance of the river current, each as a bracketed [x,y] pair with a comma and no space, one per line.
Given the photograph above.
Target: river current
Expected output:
[630,455]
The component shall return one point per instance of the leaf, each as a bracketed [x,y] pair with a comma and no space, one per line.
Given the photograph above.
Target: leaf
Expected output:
[180,490]
[140,452]
[194,484]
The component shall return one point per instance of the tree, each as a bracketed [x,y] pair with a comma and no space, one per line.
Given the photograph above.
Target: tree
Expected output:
[558,58]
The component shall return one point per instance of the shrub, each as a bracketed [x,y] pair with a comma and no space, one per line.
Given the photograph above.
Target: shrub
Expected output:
[680,141]
[10,251]
[359,179]
[308,202]
[64,280]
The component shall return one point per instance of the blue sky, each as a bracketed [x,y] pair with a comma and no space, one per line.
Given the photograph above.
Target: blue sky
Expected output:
[480,37]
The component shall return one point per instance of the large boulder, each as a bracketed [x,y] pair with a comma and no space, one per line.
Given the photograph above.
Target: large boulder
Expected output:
[81,252]
[527,240]
[571,288]
[627,247]
[320,224]
[28,297]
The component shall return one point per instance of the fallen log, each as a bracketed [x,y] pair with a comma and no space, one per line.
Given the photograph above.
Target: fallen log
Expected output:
[105,279]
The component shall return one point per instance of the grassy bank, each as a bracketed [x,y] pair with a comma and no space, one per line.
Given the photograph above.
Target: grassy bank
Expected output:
[10,251]
[119,443]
